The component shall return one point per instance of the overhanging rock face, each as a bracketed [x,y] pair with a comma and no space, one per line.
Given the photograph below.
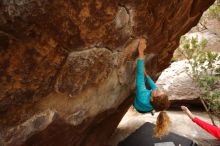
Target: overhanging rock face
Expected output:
[67,68]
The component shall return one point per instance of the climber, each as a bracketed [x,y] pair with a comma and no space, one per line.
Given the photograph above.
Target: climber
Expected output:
[213,130]
[150,100]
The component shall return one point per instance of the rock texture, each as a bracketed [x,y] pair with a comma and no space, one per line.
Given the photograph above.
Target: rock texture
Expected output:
[209,31]
[176,82]
[67,67]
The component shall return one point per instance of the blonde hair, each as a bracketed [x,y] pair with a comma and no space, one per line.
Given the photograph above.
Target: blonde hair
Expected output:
[162,125]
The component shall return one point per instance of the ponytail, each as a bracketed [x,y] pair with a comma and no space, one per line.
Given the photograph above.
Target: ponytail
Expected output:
[162,125]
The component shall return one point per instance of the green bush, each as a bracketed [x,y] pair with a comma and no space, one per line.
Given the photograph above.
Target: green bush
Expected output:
[214,11]
[203,70]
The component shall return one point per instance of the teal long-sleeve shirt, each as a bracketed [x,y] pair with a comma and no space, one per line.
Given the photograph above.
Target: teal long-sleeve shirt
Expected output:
[142,99]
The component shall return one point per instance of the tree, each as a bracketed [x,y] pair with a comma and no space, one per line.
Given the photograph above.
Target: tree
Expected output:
[204,71]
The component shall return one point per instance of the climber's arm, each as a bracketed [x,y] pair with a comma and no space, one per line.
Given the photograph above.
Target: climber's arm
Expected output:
[149,80]
[140,82]
[151,83]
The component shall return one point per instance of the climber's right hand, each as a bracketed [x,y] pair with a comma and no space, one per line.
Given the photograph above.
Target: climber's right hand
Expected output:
[142,45]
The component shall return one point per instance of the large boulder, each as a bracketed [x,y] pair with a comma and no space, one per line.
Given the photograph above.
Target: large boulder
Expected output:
[179,85]
[67,68]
